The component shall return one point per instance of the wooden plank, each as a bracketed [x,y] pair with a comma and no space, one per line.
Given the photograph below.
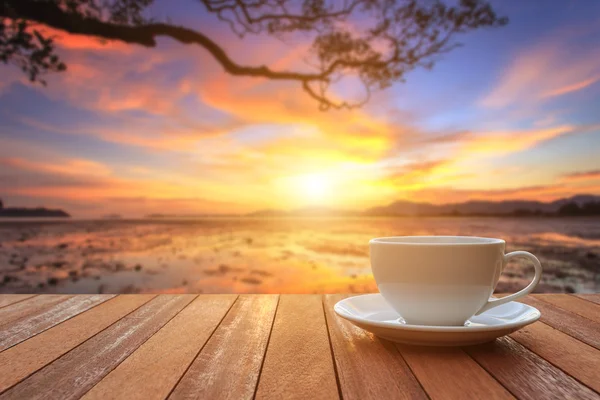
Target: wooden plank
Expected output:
[449,373]
[593,297]
[367,367]
[8,299]
[577,359]
[28,306]
[28,326]
[526,375]
[229,365]
[154,369]
[72,375]
[298,363]
[573,304]
[572,324]
[24,359]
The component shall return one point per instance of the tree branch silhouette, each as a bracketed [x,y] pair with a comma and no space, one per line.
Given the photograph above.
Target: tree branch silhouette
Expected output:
[376,41]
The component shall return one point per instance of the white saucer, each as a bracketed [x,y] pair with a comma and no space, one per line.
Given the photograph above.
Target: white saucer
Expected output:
[372,313]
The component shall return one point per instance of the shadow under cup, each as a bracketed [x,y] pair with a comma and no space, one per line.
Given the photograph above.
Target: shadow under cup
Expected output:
[436,280]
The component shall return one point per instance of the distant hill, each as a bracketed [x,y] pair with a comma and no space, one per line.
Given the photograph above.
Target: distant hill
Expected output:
[480,207]
[579,205]
[14,212]
[567,206]
[579,199]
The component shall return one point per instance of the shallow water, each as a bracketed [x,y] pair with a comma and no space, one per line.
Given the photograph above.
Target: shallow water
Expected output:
[268,256]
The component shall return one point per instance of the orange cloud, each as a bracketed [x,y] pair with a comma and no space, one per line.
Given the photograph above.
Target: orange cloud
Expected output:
[132,78]
[101,86]
[70,167]
[141,79]
[582,176]
[545,71]
[285,103]
[110,76]
[156,136]
[129,199]
[466,164]
[415,172]
[508,142]
[132,196]
[83,42]
[91,182]
[571,88]
[367,155]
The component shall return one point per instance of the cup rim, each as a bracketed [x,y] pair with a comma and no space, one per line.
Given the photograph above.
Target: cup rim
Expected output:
[436,241]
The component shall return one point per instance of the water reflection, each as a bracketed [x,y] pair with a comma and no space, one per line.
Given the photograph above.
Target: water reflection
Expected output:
[268,256]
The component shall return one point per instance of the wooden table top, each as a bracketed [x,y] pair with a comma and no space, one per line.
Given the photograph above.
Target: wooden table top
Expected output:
[269,346]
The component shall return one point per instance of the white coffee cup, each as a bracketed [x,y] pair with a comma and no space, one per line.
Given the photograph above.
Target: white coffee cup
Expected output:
[442,280]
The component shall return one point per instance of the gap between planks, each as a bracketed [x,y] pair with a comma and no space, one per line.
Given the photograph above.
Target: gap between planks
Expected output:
[561,362]
[154,369]
[62,379]
[298,362]
[228,365]
[22,360]
[204,345]
[9,299]
[593,297]
[572,324]
[573,304]
[27,307]
[46,318]
[335,369]
[525,374]
[368,367]
[262,364]
[576,358]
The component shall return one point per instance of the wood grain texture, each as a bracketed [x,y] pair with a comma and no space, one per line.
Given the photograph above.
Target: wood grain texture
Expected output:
[573,304]
[449,373]
[8,299]
[298,363]
[265,346]
[30,325]
[154,369]
[79,370]
[24,308]
[229,364]
[368,368]
[526,375]
[22,360]
[593,297]
[572,324]
[576,358]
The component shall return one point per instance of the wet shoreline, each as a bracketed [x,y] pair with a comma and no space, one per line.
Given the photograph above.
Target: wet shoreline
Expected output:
[228,255]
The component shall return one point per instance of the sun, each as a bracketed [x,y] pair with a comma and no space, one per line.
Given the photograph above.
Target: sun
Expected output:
[315,187]
[308,189]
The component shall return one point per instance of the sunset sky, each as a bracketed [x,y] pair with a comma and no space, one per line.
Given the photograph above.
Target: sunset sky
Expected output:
[514,113]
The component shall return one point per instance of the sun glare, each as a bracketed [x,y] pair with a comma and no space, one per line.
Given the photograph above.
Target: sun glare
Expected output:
[314,187]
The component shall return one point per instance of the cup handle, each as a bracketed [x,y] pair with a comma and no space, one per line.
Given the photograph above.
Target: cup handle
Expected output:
[538,274]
